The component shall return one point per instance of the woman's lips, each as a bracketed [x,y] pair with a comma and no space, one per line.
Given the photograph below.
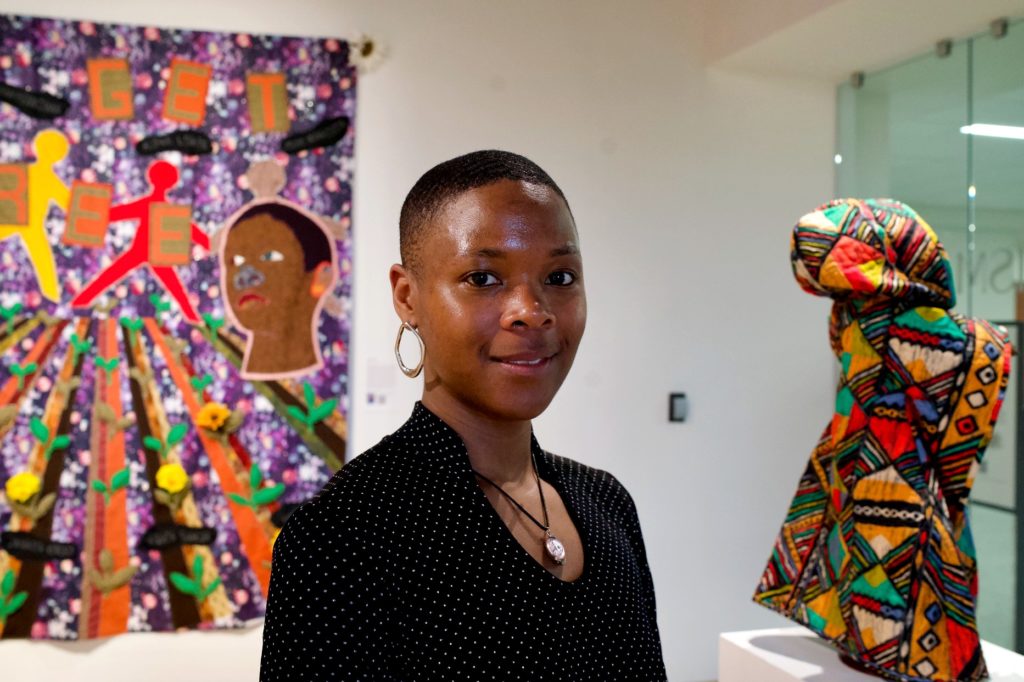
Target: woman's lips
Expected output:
[250,299]
[526,364]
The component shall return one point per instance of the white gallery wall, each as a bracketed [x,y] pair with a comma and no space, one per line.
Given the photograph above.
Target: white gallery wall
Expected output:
[684,180]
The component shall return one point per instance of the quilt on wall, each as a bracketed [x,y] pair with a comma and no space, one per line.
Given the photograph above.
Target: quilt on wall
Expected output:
[175,245]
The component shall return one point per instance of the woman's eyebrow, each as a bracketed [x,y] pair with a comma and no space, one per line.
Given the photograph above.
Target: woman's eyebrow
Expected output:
[567,250]
[487,252]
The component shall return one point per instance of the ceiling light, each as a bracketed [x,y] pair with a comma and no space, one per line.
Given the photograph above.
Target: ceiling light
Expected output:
[992,130]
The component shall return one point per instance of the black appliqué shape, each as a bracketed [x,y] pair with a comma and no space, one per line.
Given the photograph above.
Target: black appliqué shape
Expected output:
[34,104]
[324,134]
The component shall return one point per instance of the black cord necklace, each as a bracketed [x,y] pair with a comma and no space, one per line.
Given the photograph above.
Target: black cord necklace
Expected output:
[553,546]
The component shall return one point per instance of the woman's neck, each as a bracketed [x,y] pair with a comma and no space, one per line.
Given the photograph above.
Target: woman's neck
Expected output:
[499,449]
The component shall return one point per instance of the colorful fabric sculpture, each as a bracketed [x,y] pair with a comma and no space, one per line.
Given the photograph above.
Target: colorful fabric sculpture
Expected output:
[876,554]
[144,473]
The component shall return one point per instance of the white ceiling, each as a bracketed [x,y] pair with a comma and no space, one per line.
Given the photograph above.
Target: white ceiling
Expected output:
[830,39]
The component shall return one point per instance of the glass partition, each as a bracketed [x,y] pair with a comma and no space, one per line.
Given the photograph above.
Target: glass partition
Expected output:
[900,137]
[946,136]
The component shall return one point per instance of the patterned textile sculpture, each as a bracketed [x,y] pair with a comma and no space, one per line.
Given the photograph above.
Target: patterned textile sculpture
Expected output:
[876,554]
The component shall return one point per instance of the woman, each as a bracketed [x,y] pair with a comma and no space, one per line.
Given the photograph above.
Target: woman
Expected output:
[456,548]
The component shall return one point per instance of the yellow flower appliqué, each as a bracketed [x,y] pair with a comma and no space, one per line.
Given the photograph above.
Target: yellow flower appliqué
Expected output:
[213,415]
[172,478]
[21,487]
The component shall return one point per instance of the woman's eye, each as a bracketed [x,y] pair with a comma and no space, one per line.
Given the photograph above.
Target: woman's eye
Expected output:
[238,260]
[562,278]
[482,279]
[272,257]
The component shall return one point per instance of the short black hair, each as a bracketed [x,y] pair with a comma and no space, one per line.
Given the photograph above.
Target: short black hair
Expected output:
[447,180]
[316,248]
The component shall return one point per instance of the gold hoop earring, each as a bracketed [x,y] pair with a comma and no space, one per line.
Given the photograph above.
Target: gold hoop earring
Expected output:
[412,372]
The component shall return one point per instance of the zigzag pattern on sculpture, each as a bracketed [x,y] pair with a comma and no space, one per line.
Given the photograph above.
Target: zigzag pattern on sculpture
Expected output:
[875,554]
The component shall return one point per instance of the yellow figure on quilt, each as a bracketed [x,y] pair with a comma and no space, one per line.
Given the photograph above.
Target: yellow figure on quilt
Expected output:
[26,192]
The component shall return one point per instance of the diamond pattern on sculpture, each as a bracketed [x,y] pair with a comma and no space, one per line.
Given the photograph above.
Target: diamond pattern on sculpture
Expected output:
[875,553]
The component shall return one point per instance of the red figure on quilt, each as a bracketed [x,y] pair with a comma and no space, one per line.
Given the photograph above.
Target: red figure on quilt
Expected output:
[163,241]
[876,554]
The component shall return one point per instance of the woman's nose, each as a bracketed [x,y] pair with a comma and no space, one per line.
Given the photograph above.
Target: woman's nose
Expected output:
[529,308]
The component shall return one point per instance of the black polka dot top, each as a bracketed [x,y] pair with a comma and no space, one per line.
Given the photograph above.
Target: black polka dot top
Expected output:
[400,569]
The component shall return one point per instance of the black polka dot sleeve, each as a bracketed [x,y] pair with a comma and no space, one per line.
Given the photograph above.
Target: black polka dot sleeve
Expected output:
[631,525]
[400,569]
[328,615]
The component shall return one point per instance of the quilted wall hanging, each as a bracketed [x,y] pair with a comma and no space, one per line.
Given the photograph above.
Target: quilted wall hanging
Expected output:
[876,554]
[175,241]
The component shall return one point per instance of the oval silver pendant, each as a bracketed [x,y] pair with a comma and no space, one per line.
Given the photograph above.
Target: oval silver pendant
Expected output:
[555,549]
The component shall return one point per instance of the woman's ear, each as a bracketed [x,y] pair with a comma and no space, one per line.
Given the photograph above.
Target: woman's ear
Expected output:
[403,293]
[323,277]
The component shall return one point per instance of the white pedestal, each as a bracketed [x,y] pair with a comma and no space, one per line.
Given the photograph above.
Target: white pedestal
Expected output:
[795,654]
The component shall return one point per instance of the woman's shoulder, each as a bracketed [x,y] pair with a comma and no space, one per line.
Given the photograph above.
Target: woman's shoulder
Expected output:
[605,492]
[375,468]
[368,490]
[598,484]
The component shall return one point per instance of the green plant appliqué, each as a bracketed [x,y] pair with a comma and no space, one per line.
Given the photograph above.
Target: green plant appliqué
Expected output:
[260,496]
[313,413]
[174,436]
[22,371]
[42,434]
[9,603]
[9,313]
[118,481]
[194,585]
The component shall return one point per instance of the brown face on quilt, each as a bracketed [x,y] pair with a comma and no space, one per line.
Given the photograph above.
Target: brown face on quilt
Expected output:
[498,299]
[267,285]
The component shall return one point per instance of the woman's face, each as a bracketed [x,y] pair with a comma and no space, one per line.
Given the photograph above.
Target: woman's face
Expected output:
[498,298]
